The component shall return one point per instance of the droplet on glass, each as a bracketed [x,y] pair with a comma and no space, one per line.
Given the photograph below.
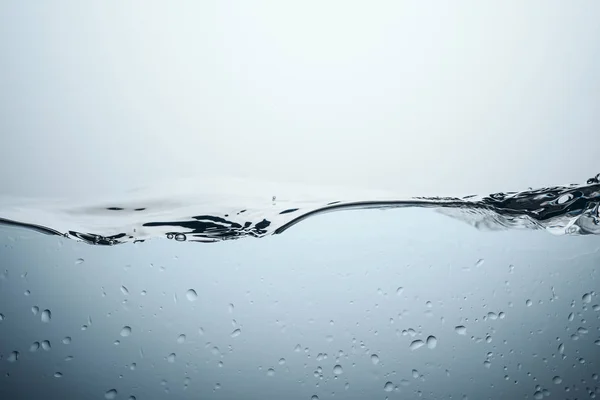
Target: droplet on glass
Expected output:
[110,394]
[13,356]
[236,333]
[338,370]
[399,291]
[46,345]
[35,310]
[58,375]
[431,342]
[124,290]
[586,298]
[34,347]
[528,303]
[79,261]
[66,340]
[281,361]
[181,339]
[374,359]
[270,372]
[171,357]
[557,380]
[388,387]
[125,331]
[46,316]
[460,329]
[416,344]
[191,295]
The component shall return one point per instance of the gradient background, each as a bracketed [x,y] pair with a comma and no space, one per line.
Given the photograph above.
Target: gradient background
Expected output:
[406,97]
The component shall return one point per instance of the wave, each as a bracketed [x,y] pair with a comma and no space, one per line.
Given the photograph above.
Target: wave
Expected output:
[560,210]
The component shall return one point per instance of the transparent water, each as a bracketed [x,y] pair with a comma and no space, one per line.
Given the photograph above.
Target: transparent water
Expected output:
[391,302]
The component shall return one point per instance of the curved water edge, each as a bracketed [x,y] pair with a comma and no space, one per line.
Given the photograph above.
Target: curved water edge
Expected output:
[561,210]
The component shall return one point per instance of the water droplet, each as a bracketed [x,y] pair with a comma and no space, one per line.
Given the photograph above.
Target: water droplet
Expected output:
[27,292]
[66,340]
[1,317]
[582,331]
[415,374]
[528,303]
[460,329]
[270,372]
[46,316]
[561,348]
[236,333]
[79,261]
[416,344]
[124,290]
[133,366]
[58,375]
[117,342]
[571,316]
[597,342]
[338,370]
[111,394]
[180,237]
[46,345]
[191,295]
[487,364]
[388,387]
[431,342]
[281,361]
[374,359]
[587,298]
[68,358]
[181,339]
[131,398]
[538,395]
[35,310]
[314,397]
[34,347]
[297,348]
[479,262]
[171,357]
[230,308]
[126,331]
[557,380]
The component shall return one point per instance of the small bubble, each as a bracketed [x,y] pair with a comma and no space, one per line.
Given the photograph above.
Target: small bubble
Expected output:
[66,340]
[431,342]
[46,345]
[191,295]
[416,344]
[460,329]
[388,387]
[124,290]
[181,339]
[270,372]
[46,316]
[79,261]
[126,331]
[587,298]
[58,375]
[236,333]
[557,380]
[171,357]
[528,303]
[13,356]
[110,394]
[338,370]
[180,237]
[374,359]
[34,347]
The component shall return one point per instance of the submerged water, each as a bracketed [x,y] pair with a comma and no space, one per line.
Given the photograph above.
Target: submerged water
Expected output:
[405,303]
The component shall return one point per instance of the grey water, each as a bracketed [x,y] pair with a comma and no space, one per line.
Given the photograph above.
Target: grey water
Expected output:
[385,299]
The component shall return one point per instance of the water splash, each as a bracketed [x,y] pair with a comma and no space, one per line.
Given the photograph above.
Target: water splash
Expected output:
[561,210]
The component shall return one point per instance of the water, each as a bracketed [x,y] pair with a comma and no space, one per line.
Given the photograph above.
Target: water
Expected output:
[389,300]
